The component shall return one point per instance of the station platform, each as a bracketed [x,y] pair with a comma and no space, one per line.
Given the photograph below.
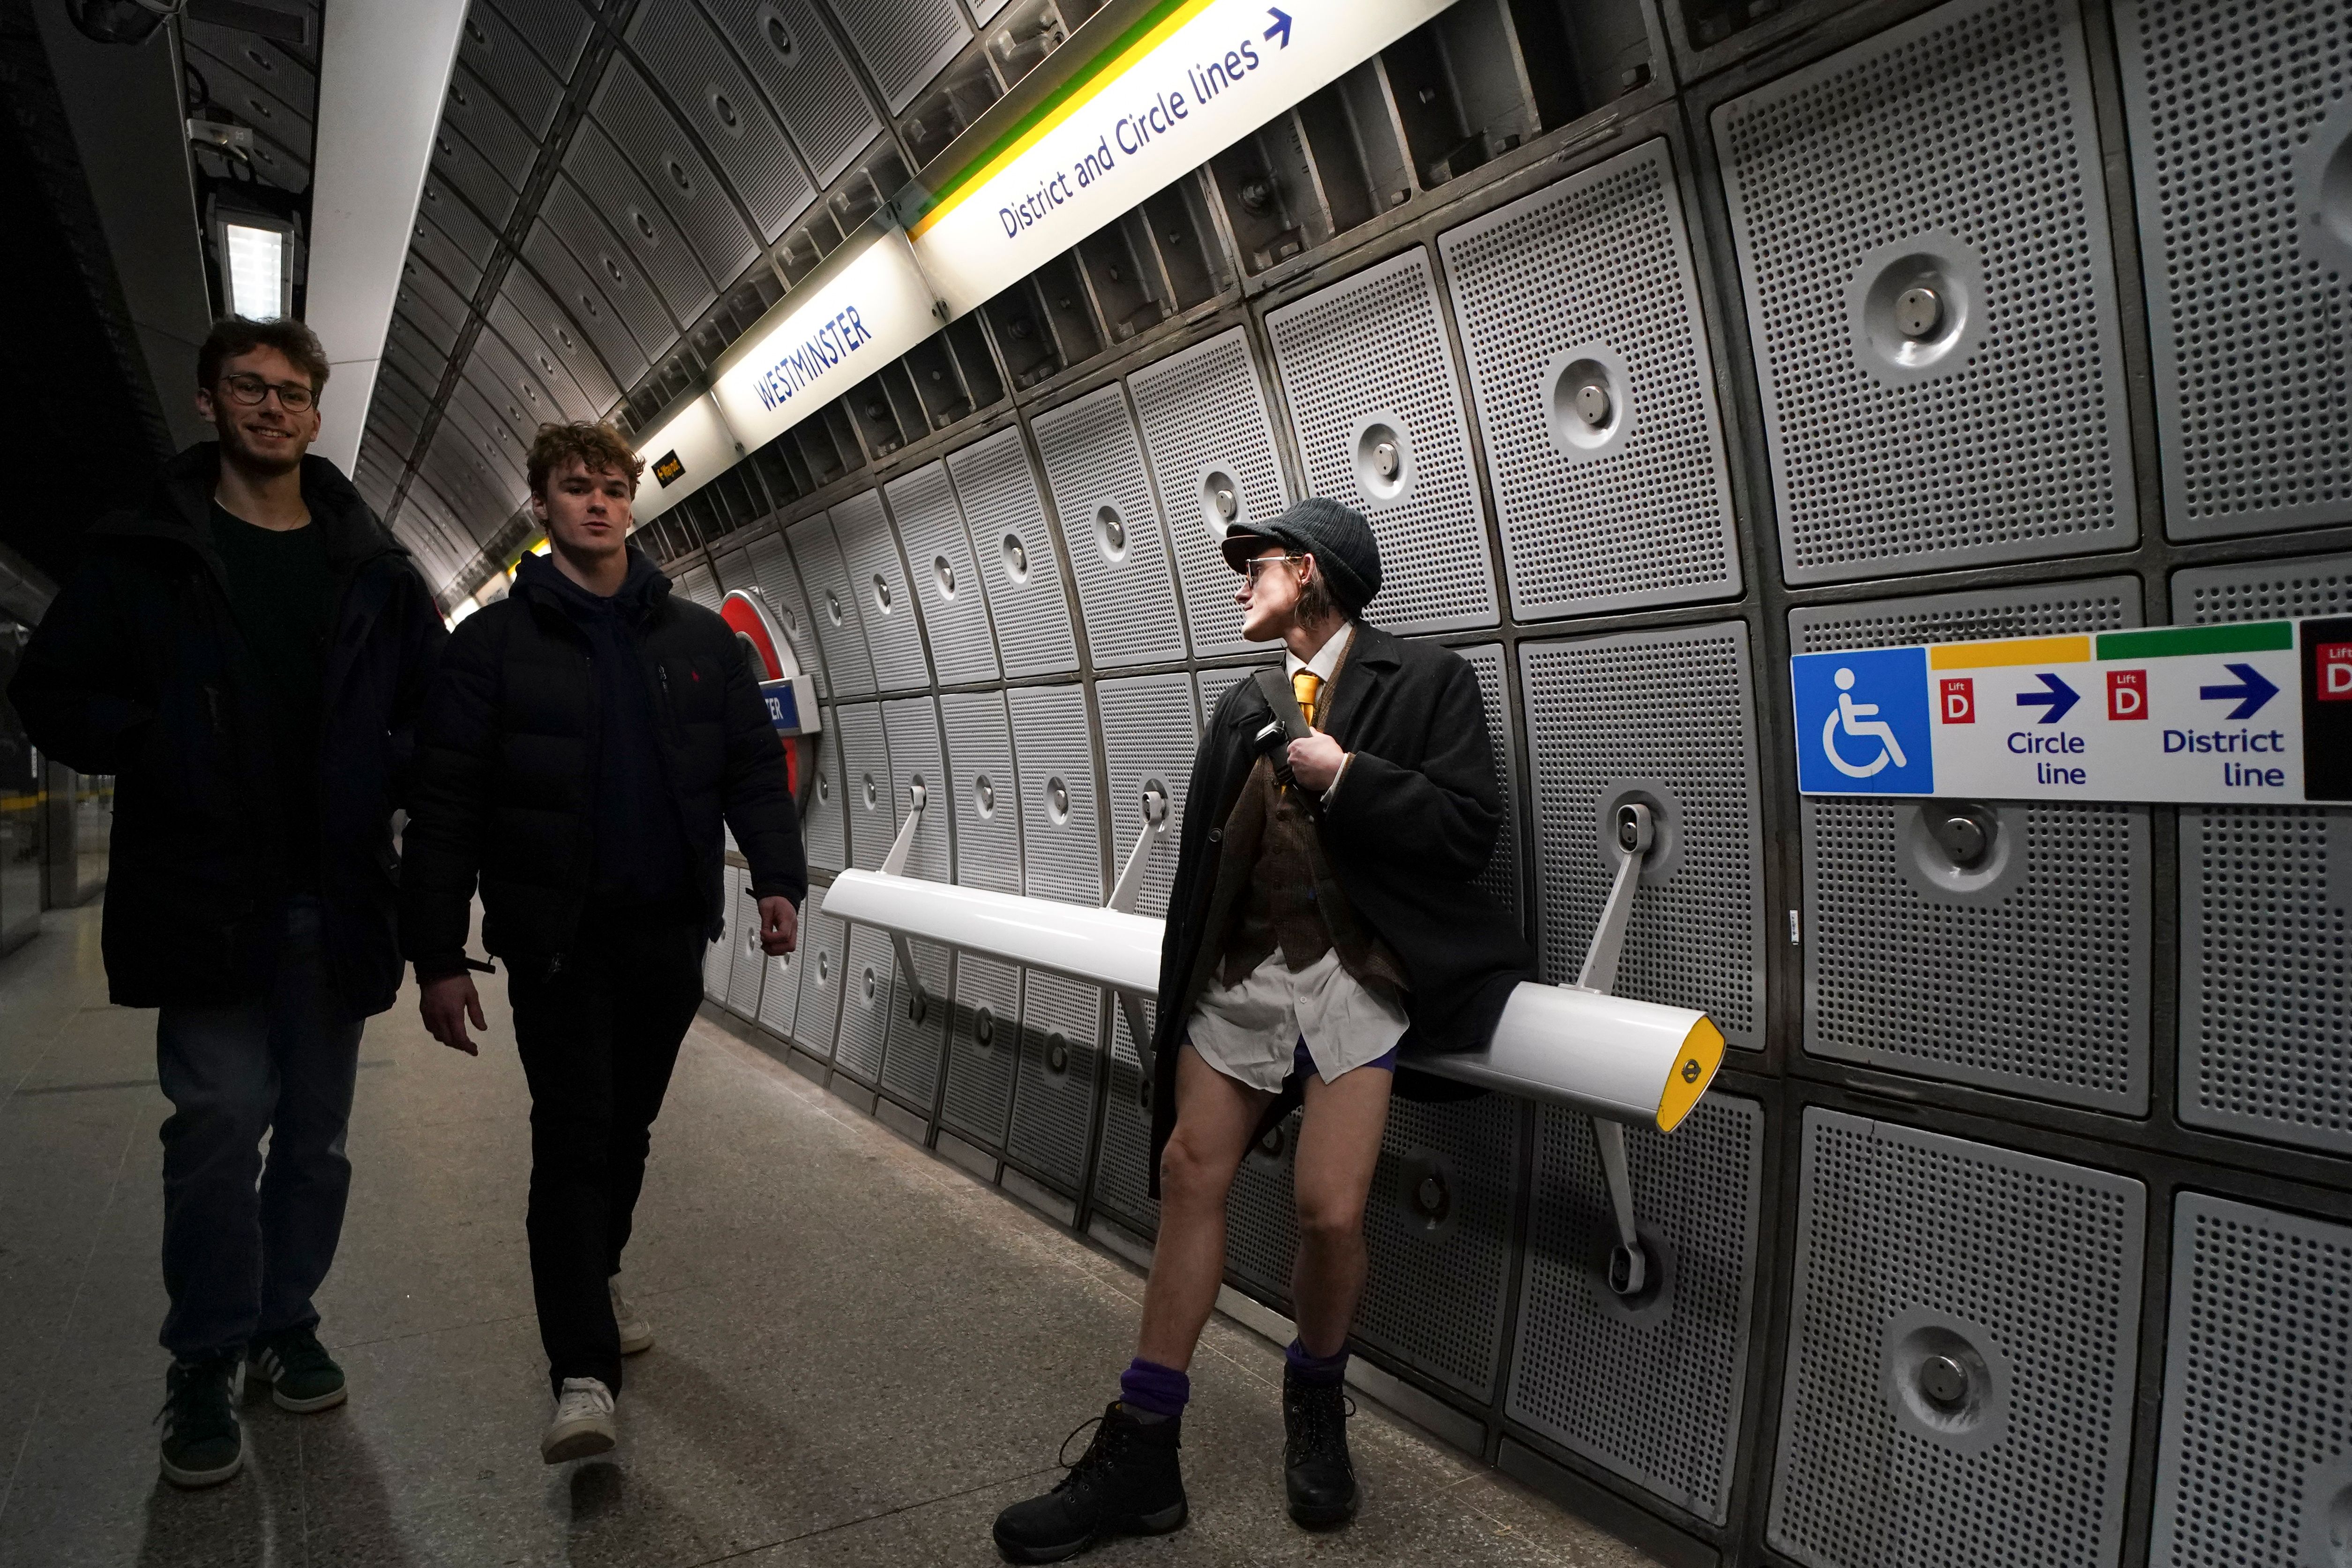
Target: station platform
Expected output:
[862,1354]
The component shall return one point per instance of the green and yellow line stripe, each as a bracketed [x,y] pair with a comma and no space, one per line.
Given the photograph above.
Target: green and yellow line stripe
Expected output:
[1148,33]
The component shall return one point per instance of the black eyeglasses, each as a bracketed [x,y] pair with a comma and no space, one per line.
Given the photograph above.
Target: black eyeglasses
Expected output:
[252,391]
[1257,563]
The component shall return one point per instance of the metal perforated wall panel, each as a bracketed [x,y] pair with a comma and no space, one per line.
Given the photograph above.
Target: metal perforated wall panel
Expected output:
[526,296]
[1205,425]
[1956,153]
[1651,1385]
[1094,467]
[1438,1222]
[1501,878]
[505,144]
[1148,735]
[2026,972]
[984,790]
[840,624]
[2265,903]
[718,957]
[631,208]
[493,51]
[1123,1185]
[878,579]
[2255,1464]
[1369,381]
[946,577]
[697,584]
[2236,131]
[464,168]
[807,79]
[772,573]
[864,1005]
[620,281]
[825,823]
[916,1042]
[825,955]
[912,724]
[1586,288]
[749,966]
[675,169]
[585,300]
[683,55]
[903,42]
[1054,1103]
[555,29]
[1665,719]
[984,1043]
[1026,597]
[2024,1291]
[867,796]
[460,230]
[733,571]
[1262,1216]
[1062,849]
[780,992]
[519,339]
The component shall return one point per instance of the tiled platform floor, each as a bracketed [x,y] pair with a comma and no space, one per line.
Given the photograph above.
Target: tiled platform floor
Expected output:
[862,1353]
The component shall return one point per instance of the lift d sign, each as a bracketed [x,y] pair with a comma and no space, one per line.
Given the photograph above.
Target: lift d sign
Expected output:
[2259,713]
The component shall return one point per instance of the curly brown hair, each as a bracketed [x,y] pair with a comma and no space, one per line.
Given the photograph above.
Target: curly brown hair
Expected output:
[600,448]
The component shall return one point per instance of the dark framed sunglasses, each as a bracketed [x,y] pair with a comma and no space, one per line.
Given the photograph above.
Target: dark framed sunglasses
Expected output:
[252,391]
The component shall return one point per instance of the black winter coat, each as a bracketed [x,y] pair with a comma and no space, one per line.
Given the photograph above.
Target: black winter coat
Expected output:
[139,670]
[1406,834]
[507,760]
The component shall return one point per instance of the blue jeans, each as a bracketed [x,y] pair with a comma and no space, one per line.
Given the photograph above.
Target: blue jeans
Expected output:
[244,1247]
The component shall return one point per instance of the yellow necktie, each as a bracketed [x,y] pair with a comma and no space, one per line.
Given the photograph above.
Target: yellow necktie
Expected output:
[1306,683]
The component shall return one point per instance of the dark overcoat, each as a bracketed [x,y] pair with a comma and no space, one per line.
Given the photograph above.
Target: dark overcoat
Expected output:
[138,669]
[507,763]
[1406,834]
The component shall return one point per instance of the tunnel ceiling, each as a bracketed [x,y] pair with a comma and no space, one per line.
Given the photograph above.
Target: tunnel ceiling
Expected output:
[618,190]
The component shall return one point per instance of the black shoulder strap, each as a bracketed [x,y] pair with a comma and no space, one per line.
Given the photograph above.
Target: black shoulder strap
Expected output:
[1275,688]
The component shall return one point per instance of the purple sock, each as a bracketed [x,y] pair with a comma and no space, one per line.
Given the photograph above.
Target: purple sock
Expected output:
[1322,1370]
[1155,1390]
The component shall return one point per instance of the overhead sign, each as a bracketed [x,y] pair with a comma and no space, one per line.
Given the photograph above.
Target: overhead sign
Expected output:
[865,307]
[690,448]
[2259,713]
[1189,78]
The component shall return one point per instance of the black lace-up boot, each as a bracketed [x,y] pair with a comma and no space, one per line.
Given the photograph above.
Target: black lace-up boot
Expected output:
[1126,1483]
[1317,1472]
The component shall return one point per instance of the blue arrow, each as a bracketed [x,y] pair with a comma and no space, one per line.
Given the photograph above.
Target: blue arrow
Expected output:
[2249,697]
[2058,697]
[1281,25]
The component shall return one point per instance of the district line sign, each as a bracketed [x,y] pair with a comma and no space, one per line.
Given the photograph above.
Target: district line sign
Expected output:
[2258,712]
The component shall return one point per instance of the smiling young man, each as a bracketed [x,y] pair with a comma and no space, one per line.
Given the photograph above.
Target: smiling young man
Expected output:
[586,738]
[1323,913]
[247,655]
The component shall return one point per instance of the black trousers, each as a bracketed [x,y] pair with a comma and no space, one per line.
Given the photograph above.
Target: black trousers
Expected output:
[598,1032]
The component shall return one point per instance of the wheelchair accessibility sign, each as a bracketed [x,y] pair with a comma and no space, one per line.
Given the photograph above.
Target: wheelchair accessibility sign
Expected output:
[2258,712]
[1864,723]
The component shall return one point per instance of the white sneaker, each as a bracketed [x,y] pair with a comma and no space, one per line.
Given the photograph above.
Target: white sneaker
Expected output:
[636,1334]
[583,1423]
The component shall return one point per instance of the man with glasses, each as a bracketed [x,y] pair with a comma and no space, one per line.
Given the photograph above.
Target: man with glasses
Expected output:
[247,654]
[1323,913]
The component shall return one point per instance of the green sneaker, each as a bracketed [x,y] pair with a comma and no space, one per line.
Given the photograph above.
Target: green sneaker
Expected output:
[203,1444]
[302,1375]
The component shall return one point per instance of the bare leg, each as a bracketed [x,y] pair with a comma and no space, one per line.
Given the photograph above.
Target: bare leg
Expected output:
[1339,1150]
[1215,1118]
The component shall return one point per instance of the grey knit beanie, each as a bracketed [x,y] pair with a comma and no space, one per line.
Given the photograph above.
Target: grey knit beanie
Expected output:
[1338,537]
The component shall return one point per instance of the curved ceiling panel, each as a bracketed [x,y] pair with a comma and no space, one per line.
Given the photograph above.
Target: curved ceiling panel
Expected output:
[426,300]
[460,225]
[682,178]
[507,326]
[618,278]
[465,169]
[560,275]
[905,43]
[496,133]
[807,79]
[526,298]
[631,209]
[681,52]
[555,29]
[495,52]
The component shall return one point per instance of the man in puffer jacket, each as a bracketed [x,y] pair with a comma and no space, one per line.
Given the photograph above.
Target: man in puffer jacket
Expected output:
[584,740]
[247,655]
